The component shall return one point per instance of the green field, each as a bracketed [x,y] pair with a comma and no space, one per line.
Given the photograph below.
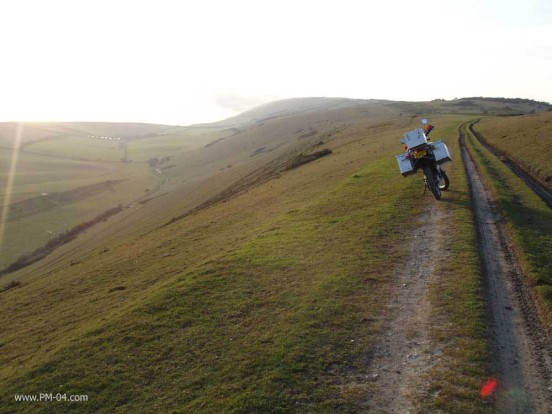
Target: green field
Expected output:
[158,147]
[64,206]
[47,194]
[526,140]
[171,145]
[78,147]
[271,297]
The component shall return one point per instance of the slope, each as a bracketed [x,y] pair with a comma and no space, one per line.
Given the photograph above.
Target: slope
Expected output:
[174,155]
[265,302]
[525,140]
[187,179]
[273,298]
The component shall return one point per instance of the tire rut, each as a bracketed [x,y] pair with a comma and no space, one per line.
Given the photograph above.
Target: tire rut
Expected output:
[520,359]
[529,180]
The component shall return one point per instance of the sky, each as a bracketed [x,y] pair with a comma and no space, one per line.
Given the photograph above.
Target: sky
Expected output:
[184,62]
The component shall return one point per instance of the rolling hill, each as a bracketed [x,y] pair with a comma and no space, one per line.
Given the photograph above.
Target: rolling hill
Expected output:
[235,279]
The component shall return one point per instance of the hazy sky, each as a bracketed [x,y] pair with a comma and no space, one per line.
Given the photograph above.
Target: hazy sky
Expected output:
[182,62]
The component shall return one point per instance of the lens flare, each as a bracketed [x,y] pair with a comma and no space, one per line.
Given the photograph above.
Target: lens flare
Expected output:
[489,387]
[11,179]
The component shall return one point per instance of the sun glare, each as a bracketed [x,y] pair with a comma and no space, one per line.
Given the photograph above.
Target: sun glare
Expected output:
[10,182]
[172,62]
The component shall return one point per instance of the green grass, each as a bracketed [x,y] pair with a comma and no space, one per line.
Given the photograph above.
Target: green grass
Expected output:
[272,326]
[160,146]
[37,174]
[252,305]
[79,147]
[474,106]
[529,220]
[526,140]
[33,214]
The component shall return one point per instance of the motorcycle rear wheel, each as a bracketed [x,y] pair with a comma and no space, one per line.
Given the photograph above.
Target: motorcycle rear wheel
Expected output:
[432,182]
[444,182]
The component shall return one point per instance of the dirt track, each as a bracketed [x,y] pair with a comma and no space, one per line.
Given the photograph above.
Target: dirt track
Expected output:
[521,359]
[406,352]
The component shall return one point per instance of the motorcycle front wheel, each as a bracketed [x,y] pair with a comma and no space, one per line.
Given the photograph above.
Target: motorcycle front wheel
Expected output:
[444,182]
[431,182]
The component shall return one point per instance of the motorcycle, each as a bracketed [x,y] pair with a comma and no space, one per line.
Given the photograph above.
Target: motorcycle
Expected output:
[431,157]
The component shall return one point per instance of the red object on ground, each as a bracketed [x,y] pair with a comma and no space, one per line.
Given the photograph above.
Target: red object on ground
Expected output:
[489,387]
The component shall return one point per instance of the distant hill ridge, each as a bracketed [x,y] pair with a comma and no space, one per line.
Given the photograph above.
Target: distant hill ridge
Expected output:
[510,100]
[471,105]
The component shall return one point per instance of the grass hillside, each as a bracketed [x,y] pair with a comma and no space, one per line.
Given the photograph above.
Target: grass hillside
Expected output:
[297,106]
[59,163]
[526,140]
[237,283]
[465,106]
[266,302]
[475,106]
[176,168]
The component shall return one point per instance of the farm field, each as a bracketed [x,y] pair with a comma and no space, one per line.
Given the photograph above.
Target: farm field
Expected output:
[78,147]
[51,192]
[46,208]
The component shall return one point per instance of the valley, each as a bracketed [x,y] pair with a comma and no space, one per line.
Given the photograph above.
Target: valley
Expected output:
[235,279]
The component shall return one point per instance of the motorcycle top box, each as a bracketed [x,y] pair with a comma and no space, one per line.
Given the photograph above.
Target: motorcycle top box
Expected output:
[415,138]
